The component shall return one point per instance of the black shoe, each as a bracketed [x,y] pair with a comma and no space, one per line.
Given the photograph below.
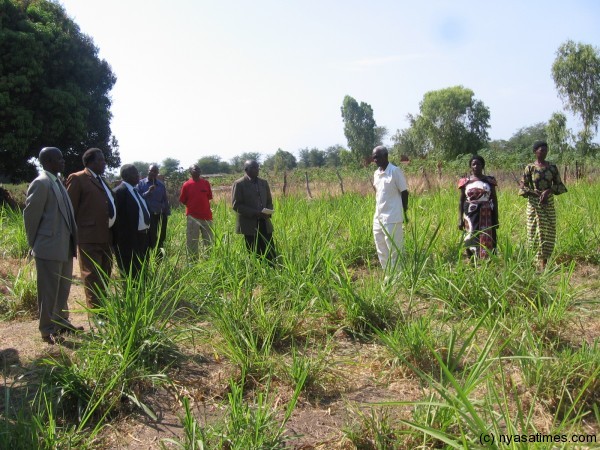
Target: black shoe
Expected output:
[69,329]
[53,338]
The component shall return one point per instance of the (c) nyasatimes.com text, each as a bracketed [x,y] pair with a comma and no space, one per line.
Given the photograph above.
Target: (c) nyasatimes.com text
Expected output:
[507,439]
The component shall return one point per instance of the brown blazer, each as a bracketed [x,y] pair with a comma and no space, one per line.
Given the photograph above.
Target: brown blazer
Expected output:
[91,208]
[248,199]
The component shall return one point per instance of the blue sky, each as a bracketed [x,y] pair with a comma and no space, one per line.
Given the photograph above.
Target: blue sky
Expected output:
[198,78]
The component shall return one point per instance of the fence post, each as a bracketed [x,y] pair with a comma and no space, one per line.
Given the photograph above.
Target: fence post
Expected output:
[337,172]
[426,179]
[307,186]
[284,181]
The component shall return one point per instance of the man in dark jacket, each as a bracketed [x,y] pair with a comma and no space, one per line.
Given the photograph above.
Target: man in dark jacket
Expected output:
[133,221]
[252,201]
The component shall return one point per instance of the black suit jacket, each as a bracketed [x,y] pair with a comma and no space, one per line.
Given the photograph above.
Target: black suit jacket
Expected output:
[248,199]
[128,241]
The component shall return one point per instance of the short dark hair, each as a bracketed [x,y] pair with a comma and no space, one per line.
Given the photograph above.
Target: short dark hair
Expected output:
[538,144]
[126,169]
[477,158]
[46,155]
[250,162]
[90,155]
[382,149]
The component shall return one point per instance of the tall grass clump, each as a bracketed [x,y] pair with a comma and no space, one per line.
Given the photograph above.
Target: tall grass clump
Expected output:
[249,327]
[34,423]
[374,429]
[22,293]
[566,379]
[450,414]
[13,239]
[246,424]
[133,346]
[578,234]
[416,260]
[367,305]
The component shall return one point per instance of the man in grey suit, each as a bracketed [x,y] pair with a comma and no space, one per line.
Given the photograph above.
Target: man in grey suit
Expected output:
[252,201]
[52,235]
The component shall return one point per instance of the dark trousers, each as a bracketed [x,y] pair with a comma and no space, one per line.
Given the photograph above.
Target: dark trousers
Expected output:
[131,254]
[157,231]
[262,242]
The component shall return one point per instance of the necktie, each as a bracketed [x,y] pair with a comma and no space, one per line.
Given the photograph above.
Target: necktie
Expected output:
[72,223]
[111,209]
[143,206]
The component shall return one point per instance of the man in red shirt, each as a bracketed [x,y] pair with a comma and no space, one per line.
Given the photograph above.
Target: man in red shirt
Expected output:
[196,195]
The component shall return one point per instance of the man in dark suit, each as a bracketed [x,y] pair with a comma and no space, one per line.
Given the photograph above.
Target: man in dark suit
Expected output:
[252,201]
[52,235]
[95,214]
[133,221]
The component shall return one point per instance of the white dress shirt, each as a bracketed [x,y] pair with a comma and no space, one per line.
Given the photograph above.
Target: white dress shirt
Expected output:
[389,184]
[111,220]
[141,204]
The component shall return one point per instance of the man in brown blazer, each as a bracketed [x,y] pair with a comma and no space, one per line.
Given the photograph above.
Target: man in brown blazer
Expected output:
[52,235]
[95,213]
[252,201]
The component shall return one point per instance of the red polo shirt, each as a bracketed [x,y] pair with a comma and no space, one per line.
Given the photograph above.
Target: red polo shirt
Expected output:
[196,196]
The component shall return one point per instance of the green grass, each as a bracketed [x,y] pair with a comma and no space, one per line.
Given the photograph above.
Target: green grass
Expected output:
[489,342]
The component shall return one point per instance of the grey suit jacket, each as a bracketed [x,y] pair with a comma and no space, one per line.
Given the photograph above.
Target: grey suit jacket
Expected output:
[248,199]
[47,223]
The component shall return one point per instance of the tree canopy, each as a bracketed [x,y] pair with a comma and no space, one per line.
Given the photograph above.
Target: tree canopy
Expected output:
[237,162]
[558,134]
[170,166]
[576,73]
[451,122]
[280,161]
[54,89]
[213,164]
[359,128]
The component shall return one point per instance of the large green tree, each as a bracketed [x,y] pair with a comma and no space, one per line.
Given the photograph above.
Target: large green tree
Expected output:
[213,164]
[333,155]
[280,161]
[558,134]
[359,128]
[408,143]
[54,89]
[237,162]
[312,157]
[523,138]
[576,73]
[451,122]
[170,166]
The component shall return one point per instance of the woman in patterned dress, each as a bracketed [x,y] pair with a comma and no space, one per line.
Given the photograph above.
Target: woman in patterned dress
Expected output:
[478,209]
[540,183]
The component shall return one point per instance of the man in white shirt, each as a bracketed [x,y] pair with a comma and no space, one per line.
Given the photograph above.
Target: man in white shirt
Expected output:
[391,204]
[133,221]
